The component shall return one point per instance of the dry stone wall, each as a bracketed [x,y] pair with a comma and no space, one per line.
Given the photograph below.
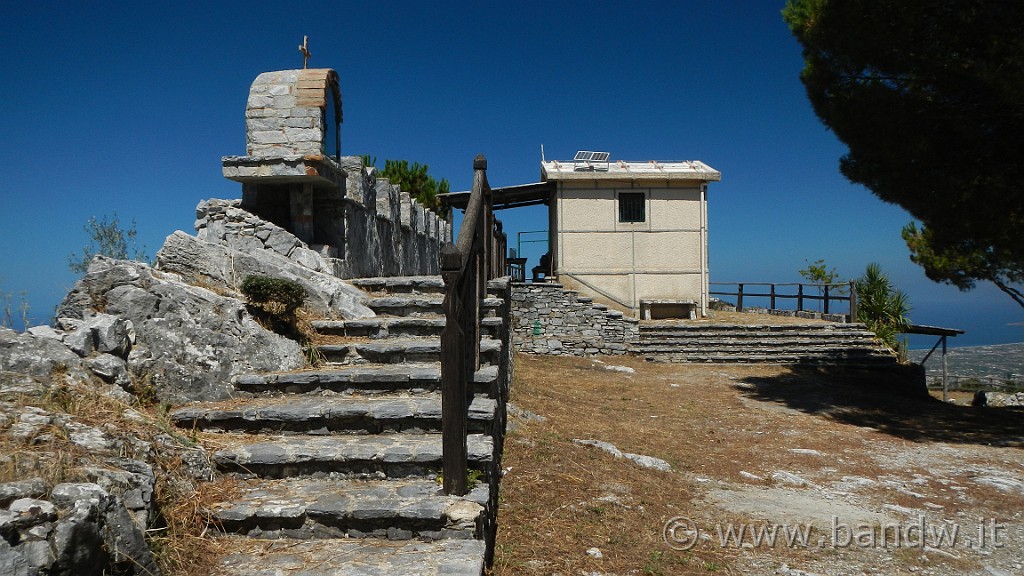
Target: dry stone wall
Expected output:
[388,233]
[548,319]
[381,230]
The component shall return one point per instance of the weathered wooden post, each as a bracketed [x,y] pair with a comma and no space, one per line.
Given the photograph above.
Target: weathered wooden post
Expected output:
[771,292]
[453,376]
[799,297]
[826,298]
[945,384]
[853,301]
[465,267]
[739,297]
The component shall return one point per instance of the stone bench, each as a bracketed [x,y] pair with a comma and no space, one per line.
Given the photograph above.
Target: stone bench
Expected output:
[661,308]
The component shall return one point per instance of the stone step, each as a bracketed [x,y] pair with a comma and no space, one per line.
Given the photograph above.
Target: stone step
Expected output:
[399,350]
[309,508]
[363,557]
[762,333]
[401,284]
[766,344]
[794,358]
[649,326]
[334,414]
[364,379]
[384,327]
[388,455]
[756,347]
[426,305]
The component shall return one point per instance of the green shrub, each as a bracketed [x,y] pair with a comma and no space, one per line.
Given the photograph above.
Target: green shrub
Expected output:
[275,296]
[882,307]
[274,302]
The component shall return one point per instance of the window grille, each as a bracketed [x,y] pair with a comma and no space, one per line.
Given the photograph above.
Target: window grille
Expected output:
[631,207]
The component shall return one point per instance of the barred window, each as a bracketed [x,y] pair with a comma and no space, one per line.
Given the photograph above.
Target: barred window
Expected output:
[631,207]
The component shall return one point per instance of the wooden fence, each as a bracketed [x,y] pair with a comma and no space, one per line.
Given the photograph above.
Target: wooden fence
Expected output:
[827,294]
[477,256]
[1013,383]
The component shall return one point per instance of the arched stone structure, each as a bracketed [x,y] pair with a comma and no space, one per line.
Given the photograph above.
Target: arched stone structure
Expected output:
[290,174]
[294,176]
[294,112]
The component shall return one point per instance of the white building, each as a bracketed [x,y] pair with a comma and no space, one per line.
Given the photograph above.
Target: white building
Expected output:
[635,233]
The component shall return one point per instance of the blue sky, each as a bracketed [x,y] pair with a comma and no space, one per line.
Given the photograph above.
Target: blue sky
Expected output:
[128,107]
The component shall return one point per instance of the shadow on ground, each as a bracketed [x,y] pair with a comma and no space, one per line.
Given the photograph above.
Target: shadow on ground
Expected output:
[892,401]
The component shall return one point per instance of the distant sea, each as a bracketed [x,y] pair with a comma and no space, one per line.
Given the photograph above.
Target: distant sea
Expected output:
[997,360]
[985,321]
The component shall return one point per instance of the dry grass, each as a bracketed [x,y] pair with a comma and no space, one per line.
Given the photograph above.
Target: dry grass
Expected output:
[180,535]
[560,499]
[185,544]
[711,423]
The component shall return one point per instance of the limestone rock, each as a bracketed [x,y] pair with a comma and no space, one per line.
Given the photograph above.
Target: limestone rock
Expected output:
[224,266]
[31,488]
[190,341]
[37,356]
[642,460]
[111,369]
[46,332]
[12,562]
[98,536]
[982,398]
[32,511]
[102,333]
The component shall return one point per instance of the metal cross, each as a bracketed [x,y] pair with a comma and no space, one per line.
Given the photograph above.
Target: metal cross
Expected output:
[304,48]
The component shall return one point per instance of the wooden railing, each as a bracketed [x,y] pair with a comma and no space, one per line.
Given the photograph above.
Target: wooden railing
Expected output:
[1012,383]
[827,294]
[477,256]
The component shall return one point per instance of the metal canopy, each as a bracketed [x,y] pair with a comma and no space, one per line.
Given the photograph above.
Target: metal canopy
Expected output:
[932,330]
[506,197]
[942,333]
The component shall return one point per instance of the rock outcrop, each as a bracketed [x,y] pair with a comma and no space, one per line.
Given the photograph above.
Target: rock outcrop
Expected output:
[78,465]
[189,341]
[222,266]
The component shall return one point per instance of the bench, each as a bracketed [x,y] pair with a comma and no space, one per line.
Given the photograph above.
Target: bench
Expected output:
[664,308]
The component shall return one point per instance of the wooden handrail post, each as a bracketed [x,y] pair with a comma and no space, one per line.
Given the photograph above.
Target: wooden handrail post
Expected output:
[477,256]
[853,301]
[453,376]
[772,291]
[739,297]
[799,297]
[826,298]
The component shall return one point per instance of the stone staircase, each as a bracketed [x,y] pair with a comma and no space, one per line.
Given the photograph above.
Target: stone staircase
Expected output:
[812,343]
[338,466]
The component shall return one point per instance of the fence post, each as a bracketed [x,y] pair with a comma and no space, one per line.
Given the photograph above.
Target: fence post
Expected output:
[853,301]
[945,385]
[826,298]
[739,298]
[453,376]
[799,297]
[772,292]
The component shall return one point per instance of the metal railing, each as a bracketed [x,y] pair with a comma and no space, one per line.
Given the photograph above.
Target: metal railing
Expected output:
[477,256]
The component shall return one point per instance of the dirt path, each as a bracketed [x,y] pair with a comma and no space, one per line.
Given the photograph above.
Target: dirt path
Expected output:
[847,473]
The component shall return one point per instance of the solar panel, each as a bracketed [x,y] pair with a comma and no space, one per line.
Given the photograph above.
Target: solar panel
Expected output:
[585,159]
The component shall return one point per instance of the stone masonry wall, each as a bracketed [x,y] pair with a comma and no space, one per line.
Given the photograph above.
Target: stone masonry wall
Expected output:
[386,232]
[285,112]
[569,324]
